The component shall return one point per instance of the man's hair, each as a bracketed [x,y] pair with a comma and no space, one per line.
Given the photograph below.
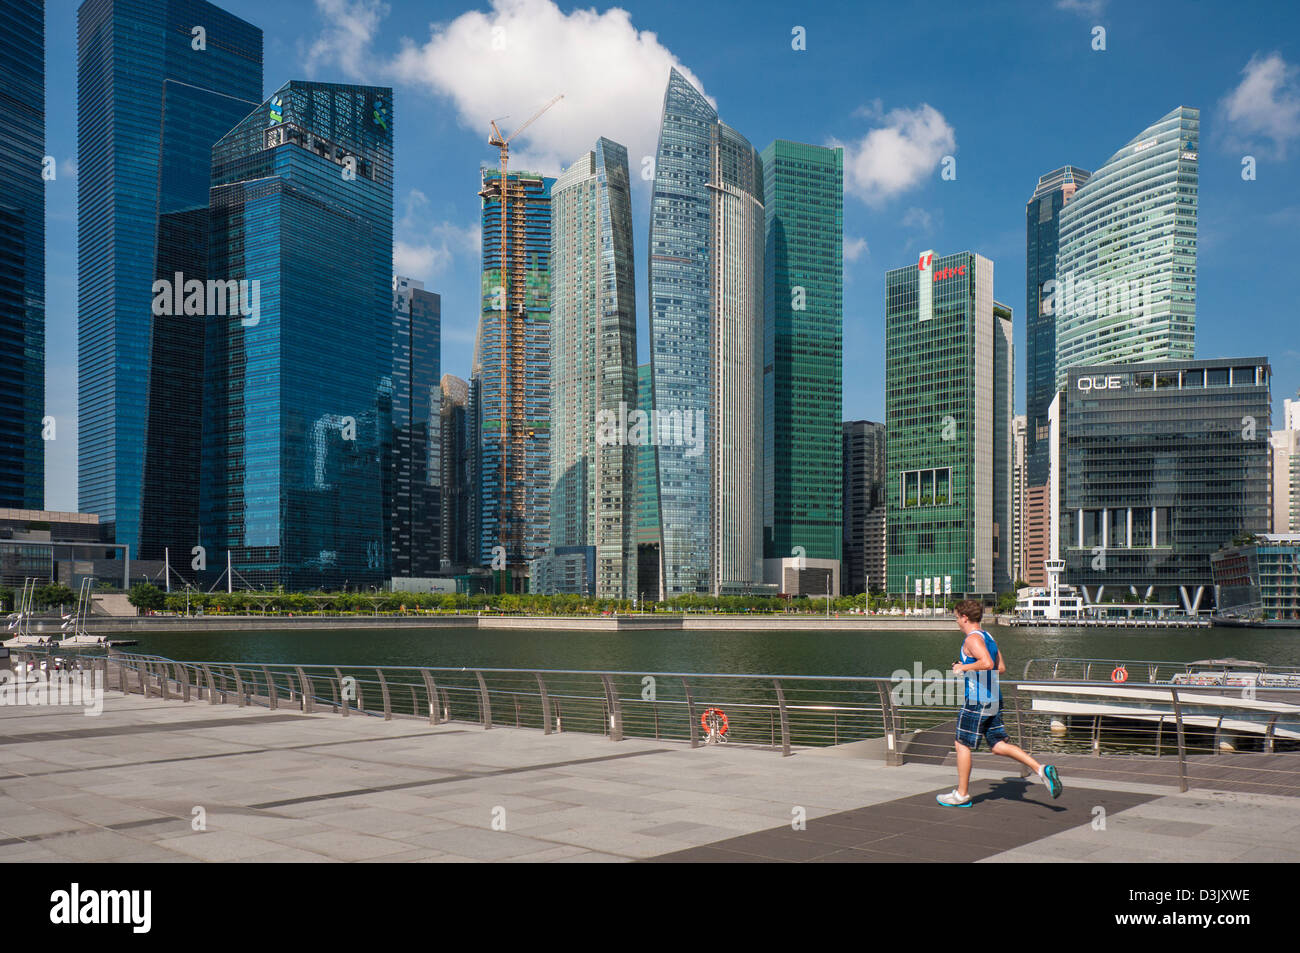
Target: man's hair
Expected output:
[971,609]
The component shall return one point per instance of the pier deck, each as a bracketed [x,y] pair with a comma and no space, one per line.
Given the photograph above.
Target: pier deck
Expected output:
[132,783]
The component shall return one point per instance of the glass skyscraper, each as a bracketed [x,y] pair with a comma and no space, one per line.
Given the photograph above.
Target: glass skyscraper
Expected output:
[1164,464]
[457,473]
[1125,287]
[512,386]
[647,497]
[949,377]
[415,497]
[803,188]
[299,393]
[593,367]
[706,328]
[150,105]
[22,253]
[1042,234]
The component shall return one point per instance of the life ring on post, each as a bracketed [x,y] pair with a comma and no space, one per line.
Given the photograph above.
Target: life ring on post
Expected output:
[1119,675]
[721,720]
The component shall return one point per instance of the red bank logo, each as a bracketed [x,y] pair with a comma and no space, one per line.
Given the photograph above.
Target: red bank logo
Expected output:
[949,272]
[924,263]
[927,259]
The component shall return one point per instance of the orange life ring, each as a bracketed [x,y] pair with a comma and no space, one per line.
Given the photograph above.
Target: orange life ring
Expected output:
[1119,675]
[722,716]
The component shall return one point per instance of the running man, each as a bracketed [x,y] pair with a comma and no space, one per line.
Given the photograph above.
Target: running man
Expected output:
[981,713]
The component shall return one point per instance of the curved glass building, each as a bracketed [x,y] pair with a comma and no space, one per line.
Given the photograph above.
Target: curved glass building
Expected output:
[1125,287]
[706,329]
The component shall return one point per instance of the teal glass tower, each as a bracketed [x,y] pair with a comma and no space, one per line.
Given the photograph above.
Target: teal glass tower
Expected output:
[22,254]
[593,366]
[1125,288]
[299,394]
[153,97]
[706,335]
[948,399]
[803,187]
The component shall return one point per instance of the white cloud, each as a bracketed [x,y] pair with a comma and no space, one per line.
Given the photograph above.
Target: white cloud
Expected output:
[919,219]
[855,248]
[509,60]
[426,250]
[1265,105]
[1090,8]
[345,42]
[895,157]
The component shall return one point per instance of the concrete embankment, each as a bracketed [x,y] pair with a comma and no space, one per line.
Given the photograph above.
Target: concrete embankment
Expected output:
[622,623]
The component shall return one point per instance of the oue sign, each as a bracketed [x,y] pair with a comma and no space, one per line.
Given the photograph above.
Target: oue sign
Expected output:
[1113,382]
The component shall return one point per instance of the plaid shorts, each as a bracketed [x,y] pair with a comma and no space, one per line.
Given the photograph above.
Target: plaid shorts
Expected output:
[972,722]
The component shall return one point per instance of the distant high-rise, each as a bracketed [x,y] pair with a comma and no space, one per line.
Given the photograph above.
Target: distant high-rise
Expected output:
[949,366]
[153,97]
[803,188]
[457,474]
[706,328]
[1286,469]
[415,497]
[513,381]
[1042,243]
[22,254]
[298,398]
[1125,286]
[864,507]
[593,367]
[647,498]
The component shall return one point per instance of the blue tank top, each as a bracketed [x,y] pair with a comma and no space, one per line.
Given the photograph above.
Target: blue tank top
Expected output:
[982,688]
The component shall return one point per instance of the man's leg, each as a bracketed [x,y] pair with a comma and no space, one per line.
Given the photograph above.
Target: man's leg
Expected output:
[963,768]
[1008,750]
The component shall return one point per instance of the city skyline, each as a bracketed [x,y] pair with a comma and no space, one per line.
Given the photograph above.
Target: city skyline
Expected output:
[1255,211]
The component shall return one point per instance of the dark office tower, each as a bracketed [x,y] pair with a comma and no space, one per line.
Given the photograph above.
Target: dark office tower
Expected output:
[1042,228]
[298,393]
[647,499]
[706,342]
[514,377]
[457,474]
[804,323]
[22,254]
[415,531]
[864,507]
[158,83]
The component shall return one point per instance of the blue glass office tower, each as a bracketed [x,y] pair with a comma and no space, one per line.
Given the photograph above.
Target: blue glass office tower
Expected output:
[151,104]
[415,496]
[1042,234]
[706,333]
[298,394]
[22,253]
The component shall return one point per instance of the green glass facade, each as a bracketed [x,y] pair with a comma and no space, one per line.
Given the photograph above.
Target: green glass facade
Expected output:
[803,187]
[948,400]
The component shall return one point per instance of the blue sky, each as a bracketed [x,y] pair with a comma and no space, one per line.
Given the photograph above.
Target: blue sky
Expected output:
[1010,89]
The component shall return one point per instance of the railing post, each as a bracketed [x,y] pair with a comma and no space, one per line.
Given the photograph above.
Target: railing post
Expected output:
[343,698]
[305,685]
[334,691]
[546,704]
[785,718]
[239,687]
[1182,748]
[383,689]
[893,757]
[272,701]
[615,710]
[690,715]
[212,691]
[1096,735]
[182,670]
[484,703]
[431,689]
[144,679]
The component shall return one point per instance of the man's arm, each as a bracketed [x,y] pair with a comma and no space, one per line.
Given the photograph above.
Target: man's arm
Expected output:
[975,646]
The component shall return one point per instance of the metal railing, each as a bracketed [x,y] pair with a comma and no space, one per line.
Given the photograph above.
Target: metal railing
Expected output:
[1141,731]
[1094,669]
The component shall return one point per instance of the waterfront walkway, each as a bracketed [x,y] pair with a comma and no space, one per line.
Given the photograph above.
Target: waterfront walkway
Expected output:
[140,781]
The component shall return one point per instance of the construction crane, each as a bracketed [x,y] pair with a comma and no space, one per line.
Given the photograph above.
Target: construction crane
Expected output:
[513,310]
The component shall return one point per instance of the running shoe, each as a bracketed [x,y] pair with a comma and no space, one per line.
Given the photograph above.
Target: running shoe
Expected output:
[953,799]
[1052,779]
